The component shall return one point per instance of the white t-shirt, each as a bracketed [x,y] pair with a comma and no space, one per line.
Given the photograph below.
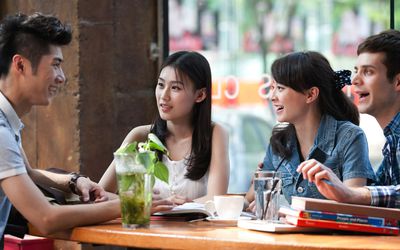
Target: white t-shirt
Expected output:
[180,185]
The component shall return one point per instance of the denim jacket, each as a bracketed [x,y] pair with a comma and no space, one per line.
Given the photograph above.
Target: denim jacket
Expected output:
[389,172]
[339,145]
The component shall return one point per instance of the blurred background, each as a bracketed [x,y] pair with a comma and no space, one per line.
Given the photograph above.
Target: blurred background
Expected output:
[241,38]
[129,40]
[113,62]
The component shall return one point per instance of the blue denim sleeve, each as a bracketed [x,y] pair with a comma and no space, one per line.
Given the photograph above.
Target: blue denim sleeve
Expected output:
[356,162]
[268,159]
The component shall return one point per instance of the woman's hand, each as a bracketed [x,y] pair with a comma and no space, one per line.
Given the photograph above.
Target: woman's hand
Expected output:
[327,182]
[174,199]
[159,204]
[252,207]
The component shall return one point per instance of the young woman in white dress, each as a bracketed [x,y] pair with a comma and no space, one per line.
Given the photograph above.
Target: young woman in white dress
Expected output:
[198,159]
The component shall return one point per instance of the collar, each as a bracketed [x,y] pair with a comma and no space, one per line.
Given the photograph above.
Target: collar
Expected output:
[325,139]
[10,114]
[393,127]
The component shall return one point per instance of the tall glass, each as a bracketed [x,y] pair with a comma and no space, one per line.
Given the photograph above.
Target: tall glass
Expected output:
[271,199]
[134,188]
[268,182]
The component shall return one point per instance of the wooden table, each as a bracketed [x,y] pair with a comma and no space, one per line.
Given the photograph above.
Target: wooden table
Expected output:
[206,235]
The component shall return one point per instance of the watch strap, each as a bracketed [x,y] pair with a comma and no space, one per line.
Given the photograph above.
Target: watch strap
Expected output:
[73,181]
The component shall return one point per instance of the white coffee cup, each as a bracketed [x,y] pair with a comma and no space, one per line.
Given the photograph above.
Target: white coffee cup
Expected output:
[229,207]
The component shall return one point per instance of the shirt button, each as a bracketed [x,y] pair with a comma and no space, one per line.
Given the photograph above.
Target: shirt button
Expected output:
[300,189]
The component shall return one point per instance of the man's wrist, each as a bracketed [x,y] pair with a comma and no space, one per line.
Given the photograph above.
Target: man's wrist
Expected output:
[360,195]
[72,183]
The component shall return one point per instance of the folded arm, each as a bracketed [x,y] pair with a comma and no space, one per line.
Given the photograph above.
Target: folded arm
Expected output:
[329,184]
[84,186]
[47,218]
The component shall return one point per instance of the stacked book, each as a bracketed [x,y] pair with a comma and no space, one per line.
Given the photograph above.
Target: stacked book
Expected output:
[318,213]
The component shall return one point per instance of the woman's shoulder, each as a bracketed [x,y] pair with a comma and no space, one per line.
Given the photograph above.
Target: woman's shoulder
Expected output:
[348,125]
[219,130]
[139,133]
[342,126]
[347,130]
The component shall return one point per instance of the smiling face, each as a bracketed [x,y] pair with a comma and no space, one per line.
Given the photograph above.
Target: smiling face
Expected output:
[377,93]
[175,96]
[45,83]
[289,105]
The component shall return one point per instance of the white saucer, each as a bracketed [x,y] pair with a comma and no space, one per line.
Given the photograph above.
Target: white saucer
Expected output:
[227,221]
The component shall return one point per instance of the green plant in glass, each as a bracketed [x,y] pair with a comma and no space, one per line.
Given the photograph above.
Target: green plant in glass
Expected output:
[137,166]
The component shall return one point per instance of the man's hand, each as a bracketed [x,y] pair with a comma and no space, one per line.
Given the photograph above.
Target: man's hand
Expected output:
[90,191]
[329,185]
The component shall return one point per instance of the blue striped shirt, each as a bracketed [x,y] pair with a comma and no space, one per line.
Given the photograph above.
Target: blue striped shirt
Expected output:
[387,194]
[388,172]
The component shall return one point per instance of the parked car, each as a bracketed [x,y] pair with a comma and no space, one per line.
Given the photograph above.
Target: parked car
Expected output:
[249,135]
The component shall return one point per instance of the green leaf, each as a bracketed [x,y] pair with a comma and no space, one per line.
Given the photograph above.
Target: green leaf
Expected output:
[161,172]
[125,181]
[153,180]
[145,153]
[147,158]
[129,148]
[155,144]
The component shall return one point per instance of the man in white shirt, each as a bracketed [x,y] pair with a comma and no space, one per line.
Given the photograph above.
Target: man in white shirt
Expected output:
[31,74]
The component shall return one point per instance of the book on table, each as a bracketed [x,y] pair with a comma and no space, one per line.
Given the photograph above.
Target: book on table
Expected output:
[328,214]
[189,211]
[339,217]
[301,222]
[186,211]
[304,203]
[276,227]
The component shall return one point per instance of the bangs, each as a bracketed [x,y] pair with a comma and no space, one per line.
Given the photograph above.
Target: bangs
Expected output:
[288,71]
[183,78]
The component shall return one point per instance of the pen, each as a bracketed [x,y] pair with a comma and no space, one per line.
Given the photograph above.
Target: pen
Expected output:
[328,182]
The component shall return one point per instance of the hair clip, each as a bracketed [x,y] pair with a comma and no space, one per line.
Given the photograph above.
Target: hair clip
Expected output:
[342,78]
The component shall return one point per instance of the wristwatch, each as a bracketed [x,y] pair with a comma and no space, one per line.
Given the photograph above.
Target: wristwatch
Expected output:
[72,182]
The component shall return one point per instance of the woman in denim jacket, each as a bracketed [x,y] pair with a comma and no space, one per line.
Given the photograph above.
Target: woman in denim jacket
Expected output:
[318,125]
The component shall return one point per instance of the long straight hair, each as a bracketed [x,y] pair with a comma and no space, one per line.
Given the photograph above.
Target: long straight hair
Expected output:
[193,66]
[302,71]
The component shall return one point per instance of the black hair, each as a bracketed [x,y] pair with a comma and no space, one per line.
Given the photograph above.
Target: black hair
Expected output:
[387,42]
[194,66]
[30,36]
[302,71]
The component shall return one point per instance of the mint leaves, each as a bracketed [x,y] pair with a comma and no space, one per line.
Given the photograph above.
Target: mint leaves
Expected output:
[146,154]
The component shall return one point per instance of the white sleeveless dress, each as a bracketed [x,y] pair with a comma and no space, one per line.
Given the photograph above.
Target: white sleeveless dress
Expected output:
[180,185]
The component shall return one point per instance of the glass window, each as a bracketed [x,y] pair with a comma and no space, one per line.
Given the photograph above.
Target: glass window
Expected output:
[241,38]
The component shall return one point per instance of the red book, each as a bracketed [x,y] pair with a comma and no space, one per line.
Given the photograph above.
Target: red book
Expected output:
[301,222]
[339,217]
